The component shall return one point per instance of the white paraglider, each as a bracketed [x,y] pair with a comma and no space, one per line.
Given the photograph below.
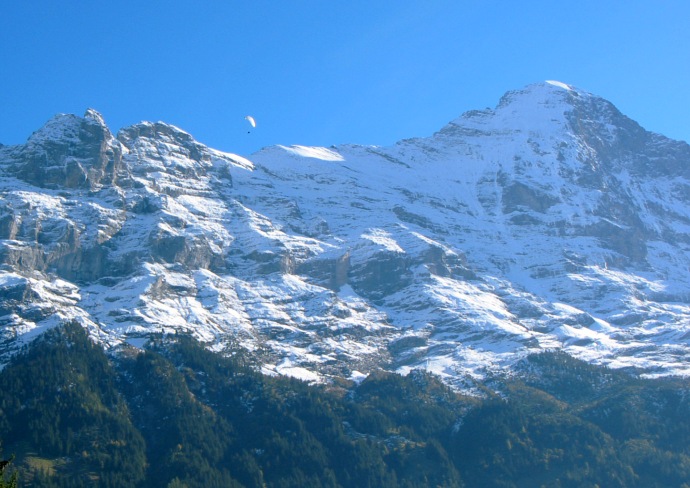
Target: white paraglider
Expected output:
[251,120]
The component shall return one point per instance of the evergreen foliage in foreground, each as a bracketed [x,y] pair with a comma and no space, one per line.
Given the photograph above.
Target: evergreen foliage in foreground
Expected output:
[178,415]
[8,477]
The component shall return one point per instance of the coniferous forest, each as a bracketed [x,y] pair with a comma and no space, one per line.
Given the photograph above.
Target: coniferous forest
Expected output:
[179,415]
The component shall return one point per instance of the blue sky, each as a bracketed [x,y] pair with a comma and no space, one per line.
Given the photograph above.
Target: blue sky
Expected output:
[323,72]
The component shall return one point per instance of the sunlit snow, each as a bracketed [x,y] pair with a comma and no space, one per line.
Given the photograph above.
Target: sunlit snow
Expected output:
[559,84]
[314,152]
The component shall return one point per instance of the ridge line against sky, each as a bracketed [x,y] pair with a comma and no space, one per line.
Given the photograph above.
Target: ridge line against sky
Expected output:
[322,73]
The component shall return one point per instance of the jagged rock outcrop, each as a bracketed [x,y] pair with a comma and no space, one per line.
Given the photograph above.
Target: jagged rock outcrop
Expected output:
[70,152]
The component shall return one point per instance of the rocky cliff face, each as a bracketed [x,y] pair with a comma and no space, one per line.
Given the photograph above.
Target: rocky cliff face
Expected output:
[552,221]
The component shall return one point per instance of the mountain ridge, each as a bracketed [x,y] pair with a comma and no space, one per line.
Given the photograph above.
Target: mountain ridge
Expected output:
[333,262]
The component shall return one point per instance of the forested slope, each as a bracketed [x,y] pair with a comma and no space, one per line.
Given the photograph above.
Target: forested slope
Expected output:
[180,415]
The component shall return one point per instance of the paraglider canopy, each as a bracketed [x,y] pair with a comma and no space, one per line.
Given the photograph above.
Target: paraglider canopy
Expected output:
[251,120]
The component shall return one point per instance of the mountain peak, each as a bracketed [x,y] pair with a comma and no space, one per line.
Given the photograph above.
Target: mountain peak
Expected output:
[546,93]
[69,152]
[70,129]
[60,127]
[539,107]
[95,116]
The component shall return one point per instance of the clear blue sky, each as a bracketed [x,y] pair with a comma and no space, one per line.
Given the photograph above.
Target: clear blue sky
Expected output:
[322,72]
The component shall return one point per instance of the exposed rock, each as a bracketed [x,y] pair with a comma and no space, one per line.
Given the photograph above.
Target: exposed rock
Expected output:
[517,195]
[70,152]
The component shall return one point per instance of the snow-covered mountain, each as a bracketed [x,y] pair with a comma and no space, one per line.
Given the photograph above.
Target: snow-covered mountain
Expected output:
[550,222]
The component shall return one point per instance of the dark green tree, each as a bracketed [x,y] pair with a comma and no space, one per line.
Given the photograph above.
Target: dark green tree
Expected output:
[8,475]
